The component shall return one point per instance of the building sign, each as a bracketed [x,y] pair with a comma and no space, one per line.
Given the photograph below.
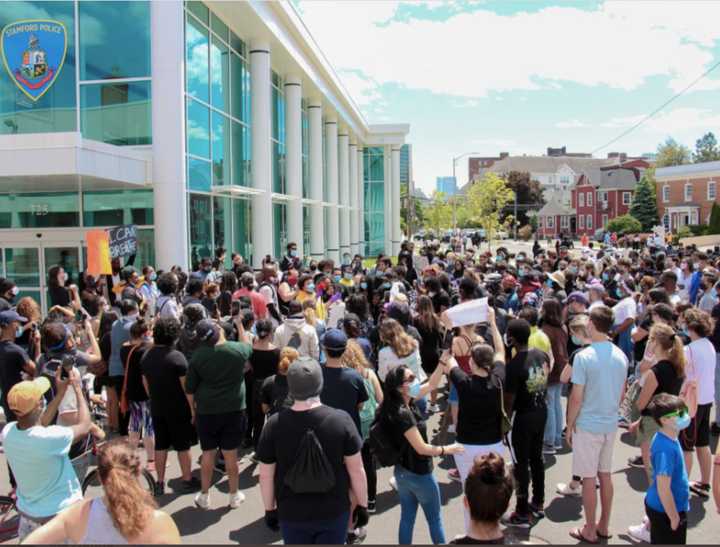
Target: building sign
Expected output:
[33,52]
[123,240]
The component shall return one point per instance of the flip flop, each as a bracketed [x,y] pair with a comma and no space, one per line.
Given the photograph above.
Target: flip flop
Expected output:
[702,490]
[603,536]
[576,533]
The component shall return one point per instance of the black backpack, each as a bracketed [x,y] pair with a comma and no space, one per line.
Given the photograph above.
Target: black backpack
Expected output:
[311,473]
[382,443]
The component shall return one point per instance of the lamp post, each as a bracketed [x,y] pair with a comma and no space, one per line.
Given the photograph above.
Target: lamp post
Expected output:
[454,163]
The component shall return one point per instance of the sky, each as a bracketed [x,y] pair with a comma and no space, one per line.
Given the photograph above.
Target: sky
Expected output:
[490,76]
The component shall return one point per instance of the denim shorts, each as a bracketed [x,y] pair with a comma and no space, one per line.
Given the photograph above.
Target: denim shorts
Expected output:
[453,398]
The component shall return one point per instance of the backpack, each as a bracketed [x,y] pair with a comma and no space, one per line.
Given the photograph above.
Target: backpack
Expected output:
[311,473]
[295,341]
[382,443]
[367,412]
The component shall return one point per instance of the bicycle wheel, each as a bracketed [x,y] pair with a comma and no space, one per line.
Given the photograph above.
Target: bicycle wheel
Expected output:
[92,487]
[9,518]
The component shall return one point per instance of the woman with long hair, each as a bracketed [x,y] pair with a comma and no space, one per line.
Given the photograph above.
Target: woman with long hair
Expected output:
[354,357]
[274,393]
[401,419]
[264,361]
[57,291]
[28,308]
[400,349]
[552,325]
[125,514]
[431,334]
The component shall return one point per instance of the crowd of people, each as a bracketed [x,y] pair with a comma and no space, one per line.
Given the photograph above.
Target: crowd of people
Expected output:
[326,372]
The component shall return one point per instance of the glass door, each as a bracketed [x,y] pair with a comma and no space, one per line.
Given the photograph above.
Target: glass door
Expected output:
[67,257]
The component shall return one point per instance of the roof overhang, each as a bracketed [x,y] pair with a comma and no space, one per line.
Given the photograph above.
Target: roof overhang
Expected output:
[58,161]
[686,172]
[392,134]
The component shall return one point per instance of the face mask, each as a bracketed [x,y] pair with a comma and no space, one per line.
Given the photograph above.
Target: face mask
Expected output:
[363,285]
[310,288]
[18,332]
[292,280]
[293,253]
[605,276]
[14,291]
[207,268]
[576,340]
[682,422]
[618,293]
[414,389]
[337,278]
[573,270]
[386,286]
[683,331]
[549,283]
[147,339]
[153,276]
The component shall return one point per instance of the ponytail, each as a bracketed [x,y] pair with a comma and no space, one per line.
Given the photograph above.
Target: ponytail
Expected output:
[676,355]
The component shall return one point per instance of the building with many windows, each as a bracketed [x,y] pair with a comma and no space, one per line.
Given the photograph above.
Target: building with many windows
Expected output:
[446,185]
[205,124]
[686,193]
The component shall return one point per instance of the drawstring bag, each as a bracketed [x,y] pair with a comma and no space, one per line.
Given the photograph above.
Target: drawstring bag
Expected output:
[689,390]
[311,473]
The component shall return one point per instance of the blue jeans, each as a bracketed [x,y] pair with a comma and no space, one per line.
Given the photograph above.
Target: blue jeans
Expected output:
[316,532]
[413,490]
[554,422]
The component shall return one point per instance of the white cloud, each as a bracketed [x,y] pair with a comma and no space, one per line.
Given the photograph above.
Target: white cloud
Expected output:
[570,124]
[469,54]
[670,122]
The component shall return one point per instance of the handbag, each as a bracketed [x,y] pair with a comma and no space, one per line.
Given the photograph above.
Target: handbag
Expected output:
[689,390]
[124,403]
[505,422]
[628,407]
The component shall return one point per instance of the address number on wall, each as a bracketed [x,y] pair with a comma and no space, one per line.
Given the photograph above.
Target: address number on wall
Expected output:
[39,209]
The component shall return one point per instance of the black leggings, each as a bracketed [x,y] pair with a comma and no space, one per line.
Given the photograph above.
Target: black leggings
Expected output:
[257,420]
[369,465]
[527,440]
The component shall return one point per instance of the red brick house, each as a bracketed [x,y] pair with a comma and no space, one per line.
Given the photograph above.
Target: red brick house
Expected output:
[686,193]
[604,193]
[555,219]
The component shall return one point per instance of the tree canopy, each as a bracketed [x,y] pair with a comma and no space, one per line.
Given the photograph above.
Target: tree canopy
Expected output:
[706,148]
[437,215]
[644,205]
[672,153]
[624,224]
[485,200]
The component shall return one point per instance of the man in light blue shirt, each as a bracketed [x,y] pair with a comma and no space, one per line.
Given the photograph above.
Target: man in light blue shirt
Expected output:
[39,455]
[119,334]
[599,376]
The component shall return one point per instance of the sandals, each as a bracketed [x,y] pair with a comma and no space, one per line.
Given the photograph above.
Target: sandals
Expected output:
[576,533]
[702,490]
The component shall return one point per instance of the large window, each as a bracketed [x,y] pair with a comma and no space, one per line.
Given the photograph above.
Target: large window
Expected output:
[711,190]
[688,192]
[56,109]
[581,199]
[116,113]
[39,210]
[280,233]
[278,134]
[201,232]
[374,186]
[666,193]
[113,208]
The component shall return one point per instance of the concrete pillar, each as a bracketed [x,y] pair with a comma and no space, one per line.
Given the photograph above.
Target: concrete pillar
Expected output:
[293,161]
[396,233]
[344,180]
[261,132]
[168,105]
[317,237]
[387,199]
[353,202]
[361,200]
[332,245]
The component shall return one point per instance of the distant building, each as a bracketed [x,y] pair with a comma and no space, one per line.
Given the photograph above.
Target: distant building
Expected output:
[686,193]
[478,166]
[446,185]
[559,152]
[405,163]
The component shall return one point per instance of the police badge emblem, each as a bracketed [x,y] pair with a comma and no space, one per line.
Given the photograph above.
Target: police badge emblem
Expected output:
[33,52]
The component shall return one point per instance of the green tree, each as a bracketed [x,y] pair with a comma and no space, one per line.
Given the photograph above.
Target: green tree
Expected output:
[485,201]
[644,204]
[706,148]
[528,192]
[417,217]
[437,215]
[624,224]
[672,153]
[714,224]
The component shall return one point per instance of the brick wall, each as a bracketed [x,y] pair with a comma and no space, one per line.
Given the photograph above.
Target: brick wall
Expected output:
[677,195]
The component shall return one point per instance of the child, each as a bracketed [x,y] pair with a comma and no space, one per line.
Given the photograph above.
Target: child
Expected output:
[667,499]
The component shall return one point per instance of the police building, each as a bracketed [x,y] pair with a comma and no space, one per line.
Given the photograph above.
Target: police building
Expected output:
[204,124]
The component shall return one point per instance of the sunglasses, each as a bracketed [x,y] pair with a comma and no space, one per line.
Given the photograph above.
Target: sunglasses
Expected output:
[678,413]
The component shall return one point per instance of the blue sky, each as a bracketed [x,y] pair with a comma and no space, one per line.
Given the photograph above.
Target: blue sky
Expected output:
[491,76]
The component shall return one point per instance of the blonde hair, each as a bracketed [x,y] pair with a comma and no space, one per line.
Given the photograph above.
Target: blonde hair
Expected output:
[309,312]
[287,356]
[579,325]
[392,333]
[664,336]
[29,308]
[354,357]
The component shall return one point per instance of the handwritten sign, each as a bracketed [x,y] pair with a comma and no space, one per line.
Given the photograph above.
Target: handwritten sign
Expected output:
[123,240]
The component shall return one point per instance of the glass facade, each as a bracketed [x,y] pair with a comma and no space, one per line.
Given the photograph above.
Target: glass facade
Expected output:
[116,113]
[305,127]
[374,186]
[278,135]
[40,210]
[307,211]
[280,233]
[118,207]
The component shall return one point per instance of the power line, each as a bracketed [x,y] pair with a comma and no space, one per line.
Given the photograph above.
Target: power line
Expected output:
[646,118]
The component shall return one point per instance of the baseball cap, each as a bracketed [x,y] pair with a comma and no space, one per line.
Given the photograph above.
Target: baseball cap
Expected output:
[596,286]
[335,339]
[577,296]
[304,378]
[24,396]
[8,316]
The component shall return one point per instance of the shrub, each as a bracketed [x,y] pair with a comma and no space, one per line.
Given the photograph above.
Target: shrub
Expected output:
[624,224]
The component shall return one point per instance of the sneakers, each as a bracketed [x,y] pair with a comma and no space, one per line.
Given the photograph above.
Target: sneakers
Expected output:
[433,408]
[517,520]
[358,535]
[639,533]
[637,461]
[537,511]
[454,475]
[159,489]
[566,489]
[236,499]
[393,483]
[549,450]
[190,486]
[371,506]
[202,501]
[559,445]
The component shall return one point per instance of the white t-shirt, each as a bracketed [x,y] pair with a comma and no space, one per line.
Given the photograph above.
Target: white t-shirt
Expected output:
[388,360]
[627,307]
[700,366]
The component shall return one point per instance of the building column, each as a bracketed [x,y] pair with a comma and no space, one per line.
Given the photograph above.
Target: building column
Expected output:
[387,200]
[315,158]
[261,133]
[396,233]
[361,200]
[293,161]
[344,179]
[353,200]
[168,120]
[332,245]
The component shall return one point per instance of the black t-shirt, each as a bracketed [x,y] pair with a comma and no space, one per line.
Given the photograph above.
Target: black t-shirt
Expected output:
[344,388]
[467,540]
[405,419]
[668,381]
[640,345]
[274,393]
[135,388]
[59,296]
[264,362]
[12,360]
[440,300]
[715,336]
[279,443]
[527,375]
[479,409]
[163,367]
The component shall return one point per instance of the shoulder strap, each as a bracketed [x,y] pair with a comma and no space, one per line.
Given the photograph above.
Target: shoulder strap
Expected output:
[123,395]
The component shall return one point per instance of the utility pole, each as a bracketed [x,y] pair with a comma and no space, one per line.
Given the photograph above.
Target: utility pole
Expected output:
[515,219]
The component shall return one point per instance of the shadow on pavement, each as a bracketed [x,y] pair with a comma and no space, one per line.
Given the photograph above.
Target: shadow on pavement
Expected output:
[449,490]
[191,520]
[697,510]
[254,533]
[564,509]
[636,478]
